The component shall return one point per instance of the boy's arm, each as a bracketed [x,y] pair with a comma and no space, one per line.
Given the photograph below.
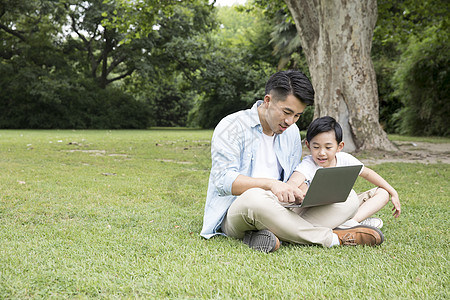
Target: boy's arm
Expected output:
[373,177]
[297,180]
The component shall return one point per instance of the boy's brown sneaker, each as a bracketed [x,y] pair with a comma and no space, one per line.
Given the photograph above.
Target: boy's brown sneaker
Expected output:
[262,240]
[360,235]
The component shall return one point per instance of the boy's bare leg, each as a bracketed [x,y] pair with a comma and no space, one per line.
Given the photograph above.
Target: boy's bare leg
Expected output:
[372,205]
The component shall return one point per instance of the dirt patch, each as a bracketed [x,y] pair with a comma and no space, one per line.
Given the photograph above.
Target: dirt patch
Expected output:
[92,152]
[408,152]
[175,161]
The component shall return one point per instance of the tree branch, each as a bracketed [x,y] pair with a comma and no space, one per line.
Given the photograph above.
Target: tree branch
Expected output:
[75,29]
[128,73]
[13,32]
[115,63]
[88,47]
[184,67]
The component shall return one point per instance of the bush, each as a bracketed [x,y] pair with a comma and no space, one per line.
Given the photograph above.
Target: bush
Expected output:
[227,85]
[170,103]
[35,101]
[385,59]
[306,118]
[423,82]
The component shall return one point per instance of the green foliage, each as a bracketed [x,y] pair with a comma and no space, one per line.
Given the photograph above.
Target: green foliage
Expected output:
[138,19]
[167,81]
[192,63]
[385,59]
[84,76]
[306,118]
[54,102]
[226,85]
[423,79]
[400,26]
[398,20]
[169,102]
[233,67]
[239,59]
[171,56]
[285,41]
[235,26]
[100,50]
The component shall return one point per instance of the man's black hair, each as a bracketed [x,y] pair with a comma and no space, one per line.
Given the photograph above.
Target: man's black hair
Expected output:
[294,82]
[324,124]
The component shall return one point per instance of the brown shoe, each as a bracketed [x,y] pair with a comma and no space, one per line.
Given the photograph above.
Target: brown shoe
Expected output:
[262,240]
[360,235]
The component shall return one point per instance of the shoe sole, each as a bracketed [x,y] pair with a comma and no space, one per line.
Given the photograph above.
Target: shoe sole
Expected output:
[262,240]
[369,227]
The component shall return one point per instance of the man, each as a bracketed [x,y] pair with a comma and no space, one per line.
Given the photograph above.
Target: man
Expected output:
[253,154]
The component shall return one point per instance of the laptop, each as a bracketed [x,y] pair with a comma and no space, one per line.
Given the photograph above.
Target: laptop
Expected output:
[329,185]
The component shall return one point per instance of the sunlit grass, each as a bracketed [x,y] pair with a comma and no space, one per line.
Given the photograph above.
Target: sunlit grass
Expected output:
[435,140]
[117,214]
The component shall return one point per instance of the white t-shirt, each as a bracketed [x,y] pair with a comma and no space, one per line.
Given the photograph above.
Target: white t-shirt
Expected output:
[308,166]
[266,162]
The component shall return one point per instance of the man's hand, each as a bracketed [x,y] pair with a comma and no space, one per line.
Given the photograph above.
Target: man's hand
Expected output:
[287,193]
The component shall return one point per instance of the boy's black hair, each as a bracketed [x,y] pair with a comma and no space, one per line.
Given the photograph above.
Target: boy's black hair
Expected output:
[324,124]
[294,82]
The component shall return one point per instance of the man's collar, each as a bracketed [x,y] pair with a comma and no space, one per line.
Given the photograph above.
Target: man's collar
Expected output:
[254,116]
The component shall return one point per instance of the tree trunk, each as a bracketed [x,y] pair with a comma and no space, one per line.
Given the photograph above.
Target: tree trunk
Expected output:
[336,36]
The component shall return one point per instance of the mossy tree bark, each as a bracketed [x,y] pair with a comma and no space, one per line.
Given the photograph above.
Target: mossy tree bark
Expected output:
[336,36]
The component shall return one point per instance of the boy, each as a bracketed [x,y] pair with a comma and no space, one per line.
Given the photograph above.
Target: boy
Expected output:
[324,140]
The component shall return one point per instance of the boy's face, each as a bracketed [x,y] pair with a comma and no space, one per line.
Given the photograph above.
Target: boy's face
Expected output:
[323,149]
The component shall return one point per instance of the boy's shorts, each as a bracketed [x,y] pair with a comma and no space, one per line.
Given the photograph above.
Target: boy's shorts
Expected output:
[363,197]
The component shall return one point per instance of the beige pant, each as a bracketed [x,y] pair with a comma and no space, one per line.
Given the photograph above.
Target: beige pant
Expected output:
[364,196]
[257,209]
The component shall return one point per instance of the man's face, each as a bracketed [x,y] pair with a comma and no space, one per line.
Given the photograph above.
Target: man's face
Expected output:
[281,114]
[323,149]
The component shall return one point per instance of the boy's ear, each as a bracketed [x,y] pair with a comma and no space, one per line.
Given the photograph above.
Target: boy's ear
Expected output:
[340,146]
[307,145]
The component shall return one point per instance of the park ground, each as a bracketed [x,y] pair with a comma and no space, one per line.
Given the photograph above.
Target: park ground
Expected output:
[117,214]
[409,151]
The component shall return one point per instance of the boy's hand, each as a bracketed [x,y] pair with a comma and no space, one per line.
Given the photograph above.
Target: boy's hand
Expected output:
[396,209]
[287,193]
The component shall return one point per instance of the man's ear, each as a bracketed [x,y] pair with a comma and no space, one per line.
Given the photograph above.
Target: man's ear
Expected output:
[267,99]
[340,146]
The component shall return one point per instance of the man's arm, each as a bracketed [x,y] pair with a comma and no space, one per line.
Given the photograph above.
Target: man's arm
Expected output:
[284,192]
[297,179]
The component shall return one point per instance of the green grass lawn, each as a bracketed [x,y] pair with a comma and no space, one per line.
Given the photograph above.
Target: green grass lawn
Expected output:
[117,214]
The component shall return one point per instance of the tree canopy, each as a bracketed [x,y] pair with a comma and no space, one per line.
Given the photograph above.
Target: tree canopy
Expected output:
[411,47]
[135,64]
